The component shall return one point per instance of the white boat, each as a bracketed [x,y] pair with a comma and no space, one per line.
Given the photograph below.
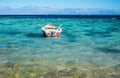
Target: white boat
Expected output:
[51,31]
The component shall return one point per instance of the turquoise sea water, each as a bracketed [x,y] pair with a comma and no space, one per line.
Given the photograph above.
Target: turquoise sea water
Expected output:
[87,48]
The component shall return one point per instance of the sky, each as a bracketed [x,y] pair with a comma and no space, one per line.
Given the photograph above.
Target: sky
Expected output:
[115,4]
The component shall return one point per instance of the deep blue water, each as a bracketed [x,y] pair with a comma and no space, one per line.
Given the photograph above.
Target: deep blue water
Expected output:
[61,16]
[88,47]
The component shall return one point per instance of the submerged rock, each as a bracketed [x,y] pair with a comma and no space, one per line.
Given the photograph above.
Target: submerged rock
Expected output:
[50,75]
[65,73]
[108,50]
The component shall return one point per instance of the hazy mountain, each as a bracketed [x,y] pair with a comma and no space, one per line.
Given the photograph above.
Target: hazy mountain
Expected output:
[89,11]
[49,10]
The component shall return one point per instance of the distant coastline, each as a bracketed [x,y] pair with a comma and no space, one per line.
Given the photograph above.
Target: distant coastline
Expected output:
[37,10]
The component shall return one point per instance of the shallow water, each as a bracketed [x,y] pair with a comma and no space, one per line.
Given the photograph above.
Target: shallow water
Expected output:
[87,48]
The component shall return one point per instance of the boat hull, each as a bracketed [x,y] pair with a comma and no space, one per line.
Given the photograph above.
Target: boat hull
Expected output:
[51,34]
